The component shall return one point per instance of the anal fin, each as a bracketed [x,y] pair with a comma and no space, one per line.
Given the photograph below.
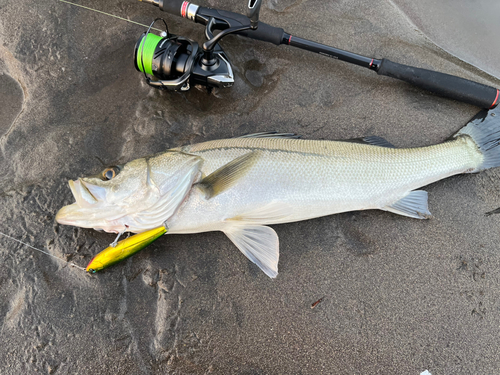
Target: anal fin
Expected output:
[259,243]
[412,205]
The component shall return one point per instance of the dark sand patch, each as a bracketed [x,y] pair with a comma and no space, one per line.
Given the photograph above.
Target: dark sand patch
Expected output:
[11,99]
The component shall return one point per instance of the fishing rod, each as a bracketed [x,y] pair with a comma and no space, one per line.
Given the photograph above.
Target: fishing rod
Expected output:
[177,63]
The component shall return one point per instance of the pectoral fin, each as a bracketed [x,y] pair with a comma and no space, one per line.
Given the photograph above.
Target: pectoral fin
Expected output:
[259,243]
[412,205]
[227,175]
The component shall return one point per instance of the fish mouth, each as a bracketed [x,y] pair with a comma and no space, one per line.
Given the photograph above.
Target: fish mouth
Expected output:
[88,211]
[86,195]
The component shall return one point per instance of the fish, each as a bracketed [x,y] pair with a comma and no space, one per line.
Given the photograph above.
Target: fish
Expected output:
[242,185]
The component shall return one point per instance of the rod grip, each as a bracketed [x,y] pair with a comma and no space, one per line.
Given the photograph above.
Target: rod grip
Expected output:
[172,6]
[442,84]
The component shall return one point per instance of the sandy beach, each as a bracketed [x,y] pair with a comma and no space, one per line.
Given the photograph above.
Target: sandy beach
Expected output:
[398,295]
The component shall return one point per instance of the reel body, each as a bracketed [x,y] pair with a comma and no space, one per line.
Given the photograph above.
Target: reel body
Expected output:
[177,63]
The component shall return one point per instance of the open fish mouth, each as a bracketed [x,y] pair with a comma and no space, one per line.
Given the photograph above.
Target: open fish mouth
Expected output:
[81,193]
[136,197]
[87,194]
[89,210]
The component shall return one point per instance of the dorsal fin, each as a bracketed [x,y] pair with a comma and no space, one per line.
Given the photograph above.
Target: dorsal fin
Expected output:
[226,176]
[372,140]
[271,135]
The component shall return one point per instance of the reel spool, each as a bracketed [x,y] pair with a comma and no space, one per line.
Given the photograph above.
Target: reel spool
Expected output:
[169,58]
[178,63]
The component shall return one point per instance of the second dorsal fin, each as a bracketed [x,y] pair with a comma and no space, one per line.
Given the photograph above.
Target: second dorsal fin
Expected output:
[372,140]
[271,135]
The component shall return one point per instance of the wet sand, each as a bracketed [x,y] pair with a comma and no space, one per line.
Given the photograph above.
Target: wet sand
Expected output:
[467,29]
[400,296]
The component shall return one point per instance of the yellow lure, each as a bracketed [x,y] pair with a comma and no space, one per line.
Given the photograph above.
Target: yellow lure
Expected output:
[124,249]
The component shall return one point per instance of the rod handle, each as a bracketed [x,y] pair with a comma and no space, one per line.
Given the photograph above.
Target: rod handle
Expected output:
[172,6]
[445,85]
[265,33]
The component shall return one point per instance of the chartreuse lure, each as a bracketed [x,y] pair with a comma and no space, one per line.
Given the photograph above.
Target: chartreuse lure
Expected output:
[123,249]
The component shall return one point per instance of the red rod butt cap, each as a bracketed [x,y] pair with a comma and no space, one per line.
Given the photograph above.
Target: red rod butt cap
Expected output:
[495,102]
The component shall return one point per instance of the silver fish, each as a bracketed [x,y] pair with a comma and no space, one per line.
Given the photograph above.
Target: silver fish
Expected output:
[240,185]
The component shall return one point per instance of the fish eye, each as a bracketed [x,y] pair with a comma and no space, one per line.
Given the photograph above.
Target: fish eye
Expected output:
[110,173]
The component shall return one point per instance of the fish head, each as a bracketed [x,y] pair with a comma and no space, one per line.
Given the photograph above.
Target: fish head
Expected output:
[135,197]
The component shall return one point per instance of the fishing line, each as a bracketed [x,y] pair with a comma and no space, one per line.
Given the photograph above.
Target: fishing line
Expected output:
[108,14]
[46,253]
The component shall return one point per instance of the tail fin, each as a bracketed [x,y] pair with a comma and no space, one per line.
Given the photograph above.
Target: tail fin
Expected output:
[484,129]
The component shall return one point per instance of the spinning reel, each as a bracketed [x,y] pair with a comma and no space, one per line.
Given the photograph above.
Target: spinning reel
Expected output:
[178,63]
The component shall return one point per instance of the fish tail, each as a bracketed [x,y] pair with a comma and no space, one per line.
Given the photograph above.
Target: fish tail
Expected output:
[484,129]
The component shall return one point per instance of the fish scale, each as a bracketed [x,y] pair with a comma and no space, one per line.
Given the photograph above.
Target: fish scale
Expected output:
[320,178]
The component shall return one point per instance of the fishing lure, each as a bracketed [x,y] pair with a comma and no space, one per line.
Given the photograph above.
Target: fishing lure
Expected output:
[114,253]
[118,251]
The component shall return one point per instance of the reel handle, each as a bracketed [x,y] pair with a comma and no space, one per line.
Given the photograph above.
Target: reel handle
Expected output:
[253,11]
